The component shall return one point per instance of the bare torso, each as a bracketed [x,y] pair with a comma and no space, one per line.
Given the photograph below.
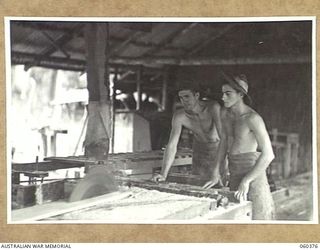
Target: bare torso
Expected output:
[201,124]
[239,136]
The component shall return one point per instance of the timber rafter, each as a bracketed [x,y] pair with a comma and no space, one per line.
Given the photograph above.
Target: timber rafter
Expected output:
[79,65]
[168,40]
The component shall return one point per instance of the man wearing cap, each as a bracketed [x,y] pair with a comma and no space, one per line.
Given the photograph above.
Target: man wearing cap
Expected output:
[246,143]
[203,119]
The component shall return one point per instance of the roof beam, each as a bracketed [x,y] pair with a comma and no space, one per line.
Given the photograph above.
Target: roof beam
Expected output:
[47,25]
[202,45]
[48,62]
[122,46]
[80,65]
[55,44]
[146,45]
[198,61]
[272,59]
[62,40]
[77,29]
[124,75]
[170,38]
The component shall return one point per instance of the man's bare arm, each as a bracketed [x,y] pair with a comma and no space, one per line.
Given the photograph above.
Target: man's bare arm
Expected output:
[257,126]
[171,149]
[221,155]
[217,117]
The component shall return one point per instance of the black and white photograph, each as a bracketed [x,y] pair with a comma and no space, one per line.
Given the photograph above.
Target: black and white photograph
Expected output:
[161,120]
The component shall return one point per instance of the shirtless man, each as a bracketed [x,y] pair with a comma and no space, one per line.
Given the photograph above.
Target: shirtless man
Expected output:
[203,119]
[243,134]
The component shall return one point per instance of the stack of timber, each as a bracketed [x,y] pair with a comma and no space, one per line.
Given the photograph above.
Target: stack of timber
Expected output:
[286,148]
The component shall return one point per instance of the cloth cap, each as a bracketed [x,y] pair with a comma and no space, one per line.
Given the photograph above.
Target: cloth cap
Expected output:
[239,83]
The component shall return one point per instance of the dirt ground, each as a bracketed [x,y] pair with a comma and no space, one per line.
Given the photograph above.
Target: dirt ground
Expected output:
[298,205]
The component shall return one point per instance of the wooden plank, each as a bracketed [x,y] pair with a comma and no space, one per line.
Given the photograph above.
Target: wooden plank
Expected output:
[190,212]
[47,210]
[72,159]
[197,181]
[142,162]
[178,188]
[142,176]
[186,179]
[48,165]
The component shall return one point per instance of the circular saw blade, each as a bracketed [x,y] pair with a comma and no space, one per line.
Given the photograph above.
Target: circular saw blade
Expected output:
[98,181]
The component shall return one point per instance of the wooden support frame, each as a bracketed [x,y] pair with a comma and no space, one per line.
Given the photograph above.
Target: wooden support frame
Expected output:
[56,44]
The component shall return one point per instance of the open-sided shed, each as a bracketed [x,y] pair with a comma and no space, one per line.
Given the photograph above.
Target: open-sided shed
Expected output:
[152,56]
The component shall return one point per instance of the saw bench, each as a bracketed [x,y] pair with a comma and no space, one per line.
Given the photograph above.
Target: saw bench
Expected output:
[140,165]
[142,201]
[110,185]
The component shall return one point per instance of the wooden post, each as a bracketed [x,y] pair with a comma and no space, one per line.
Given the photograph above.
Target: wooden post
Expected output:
[287,161]
[113,110]
[274,134]
[293,140]
[99,121]
[294,158]
[139,75]
[164,91]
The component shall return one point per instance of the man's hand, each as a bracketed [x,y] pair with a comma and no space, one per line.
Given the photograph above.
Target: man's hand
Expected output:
[243,189]
[158,178]
[216,179]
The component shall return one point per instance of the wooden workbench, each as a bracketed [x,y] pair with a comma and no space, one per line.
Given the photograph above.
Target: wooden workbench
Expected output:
[134,204]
